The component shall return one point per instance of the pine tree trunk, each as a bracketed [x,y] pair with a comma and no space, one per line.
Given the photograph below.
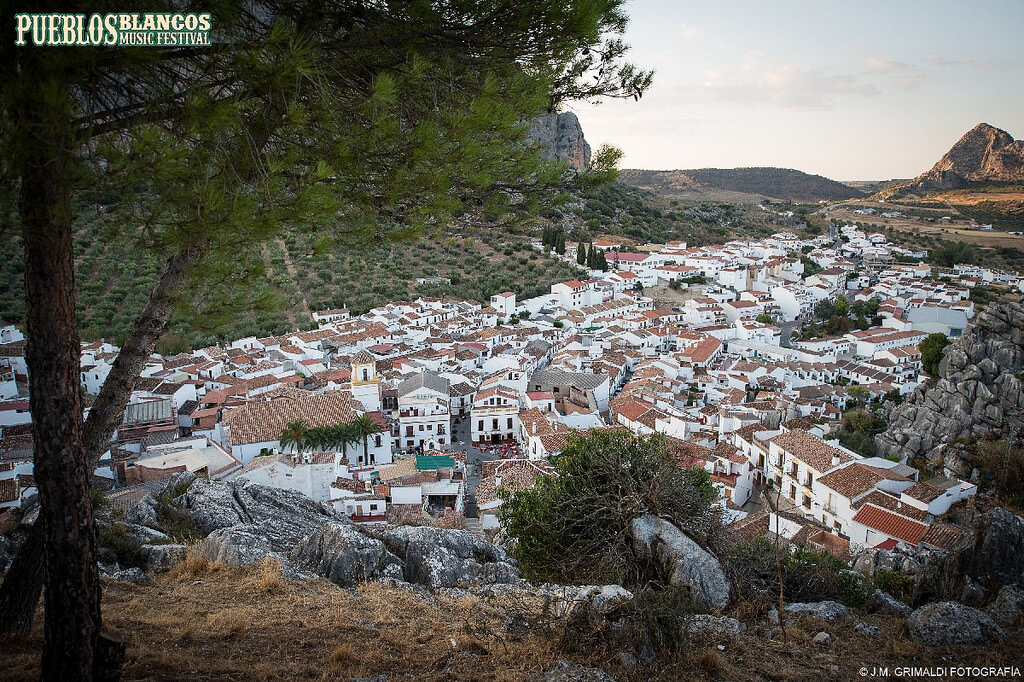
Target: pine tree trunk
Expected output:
[52,351]
[22,585]
[108,408]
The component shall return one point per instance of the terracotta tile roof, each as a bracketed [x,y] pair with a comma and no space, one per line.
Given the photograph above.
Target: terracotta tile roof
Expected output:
[515,474]
[811,450]
[894,525]
[884,500]
[263,420]
[923,491]
[856,479]
[9,490]
[942,535]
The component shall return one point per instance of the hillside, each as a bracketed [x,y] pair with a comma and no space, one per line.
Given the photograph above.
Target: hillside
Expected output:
[299,275]
[296,278]
[776,183]
[211,621]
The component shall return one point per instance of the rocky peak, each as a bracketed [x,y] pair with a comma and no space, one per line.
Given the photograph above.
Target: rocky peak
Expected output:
[984,154]
[560,136]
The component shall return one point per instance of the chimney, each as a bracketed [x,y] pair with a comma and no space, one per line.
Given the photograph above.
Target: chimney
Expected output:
[835,459]
[534,425]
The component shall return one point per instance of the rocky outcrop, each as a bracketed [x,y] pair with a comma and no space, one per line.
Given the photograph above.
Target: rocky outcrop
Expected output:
[1008,605]
[707,626]
[143,513]
[240,545]
[986,559]
[282,516]
[885,603]
[872,560]
[979,391]
[163,557]
[952,624]
[984,154]
[680,560]
[345,556]
[560,136]
[828,611]
[441,557]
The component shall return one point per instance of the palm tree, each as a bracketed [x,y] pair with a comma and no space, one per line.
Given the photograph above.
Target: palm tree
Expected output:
[343,435]
[320,438]
[365,426]
[296,435]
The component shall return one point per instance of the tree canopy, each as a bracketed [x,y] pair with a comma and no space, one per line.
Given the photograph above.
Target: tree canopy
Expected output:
[931,352]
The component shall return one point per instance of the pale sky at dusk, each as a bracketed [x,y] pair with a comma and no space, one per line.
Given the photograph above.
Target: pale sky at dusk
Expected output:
[864,90]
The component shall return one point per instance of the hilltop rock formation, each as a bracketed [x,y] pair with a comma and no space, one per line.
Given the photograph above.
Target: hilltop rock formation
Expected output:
[979,391]
[560,136]
[983,154]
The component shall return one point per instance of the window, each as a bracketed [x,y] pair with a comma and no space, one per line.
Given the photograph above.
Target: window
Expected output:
[494,424]
[376,441]
[366,374]
[421,427]
[510,422]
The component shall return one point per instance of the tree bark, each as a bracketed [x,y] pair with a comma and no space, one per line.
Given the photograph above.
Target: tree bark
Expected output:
[72,596]
[22,585]
[108,408]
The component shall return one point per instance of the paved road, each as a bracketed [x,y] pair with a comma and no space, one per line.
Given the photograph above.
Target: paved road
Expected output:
[474,456]
[787,331]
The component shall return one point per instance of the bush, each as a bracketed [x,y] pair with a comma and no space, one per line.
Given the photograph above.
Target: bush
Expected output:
[899,585]
[653,619]
[126,551]
[575,526]
[807,575]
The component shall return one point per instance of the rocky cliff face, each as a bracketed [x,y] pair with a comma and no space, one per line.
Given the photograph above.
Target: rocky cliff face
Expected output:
[561,137]
[979,391]
[984,154]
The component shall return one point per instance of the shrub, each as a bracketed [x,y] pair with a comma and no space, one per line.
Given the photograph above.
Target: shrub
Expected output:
[653,619]
[899,585]
[126,551]
[807,575]
[575,526]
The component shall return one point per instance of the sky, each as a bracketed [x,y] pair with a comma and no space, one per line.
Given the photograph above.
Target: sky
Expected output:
[865,90]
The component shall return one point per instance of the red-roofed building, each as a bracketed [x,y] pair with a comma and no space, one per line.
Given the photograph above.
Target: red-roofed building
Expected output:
[873,525]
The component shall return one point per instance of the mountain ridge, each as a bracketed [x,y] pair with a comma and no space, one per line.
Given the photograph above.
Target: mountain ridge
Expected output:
[765,181]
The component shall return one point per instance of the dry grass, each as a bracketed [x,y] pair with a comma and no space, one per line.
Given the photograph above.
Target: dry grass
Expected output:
[214,622]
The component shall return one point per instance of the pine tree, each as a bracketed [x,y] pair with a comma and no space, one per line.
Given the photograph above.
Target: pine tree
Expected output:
[581,253]
[602,262]
[591,259]
[560,243]
[373,110]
